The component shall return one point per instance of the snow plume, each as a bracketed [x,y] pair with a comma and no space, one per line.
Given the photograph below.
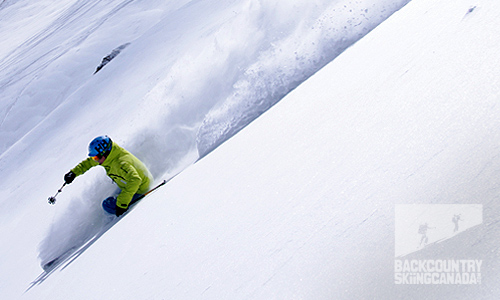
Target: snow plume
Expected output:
[298,47]
[82,219]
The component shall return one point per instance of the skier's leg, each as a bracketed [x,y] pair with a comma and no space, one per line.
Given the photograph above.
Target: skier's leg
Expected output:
[109,205]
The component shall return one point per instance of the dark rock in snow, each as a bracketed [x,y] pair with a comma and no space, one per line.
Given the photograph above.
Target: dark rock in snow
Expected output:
[110,56]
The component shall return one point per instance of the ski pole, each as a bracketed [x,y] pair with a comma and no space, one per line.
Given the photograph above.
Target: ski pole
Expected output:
[52,200]
[151,190]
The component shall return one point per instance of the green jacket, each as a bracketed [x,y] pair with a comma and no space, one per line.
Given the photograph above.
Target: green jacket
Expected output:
[126,170]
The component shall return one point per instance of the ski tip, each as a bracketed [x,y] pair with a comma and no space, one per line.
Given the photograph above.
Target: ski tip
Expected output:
[48,266]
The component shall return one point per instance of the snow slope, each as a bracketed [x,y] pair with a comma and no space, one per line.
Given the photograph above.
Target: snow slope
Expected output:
[299,204]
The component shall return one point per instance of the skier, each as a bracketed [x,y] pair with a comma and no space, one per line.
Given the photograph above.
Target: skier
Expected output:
[456,219]
[126,170]
[422,229]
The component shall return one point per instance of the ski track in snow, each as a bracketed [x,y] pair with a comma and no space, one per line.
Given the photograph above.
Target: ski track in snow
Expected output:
[25,70]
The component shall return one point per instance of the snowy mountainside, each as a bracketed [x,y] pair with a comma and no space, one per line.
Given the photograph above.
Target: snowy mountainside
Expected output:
[300,204]
[185,65]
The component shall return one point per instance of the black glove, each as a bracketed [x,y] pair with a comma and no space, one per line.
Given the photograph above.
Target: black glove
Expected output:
[120,211]
[69,177]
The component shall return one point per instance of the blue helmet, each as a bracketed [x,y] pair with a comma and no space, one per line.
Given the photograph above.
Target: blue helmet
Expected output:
[100,145]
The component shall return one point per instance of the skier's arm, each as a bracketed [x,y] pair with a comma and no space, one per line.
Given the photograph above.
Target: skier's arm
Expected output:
[132,183]
[84,166]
